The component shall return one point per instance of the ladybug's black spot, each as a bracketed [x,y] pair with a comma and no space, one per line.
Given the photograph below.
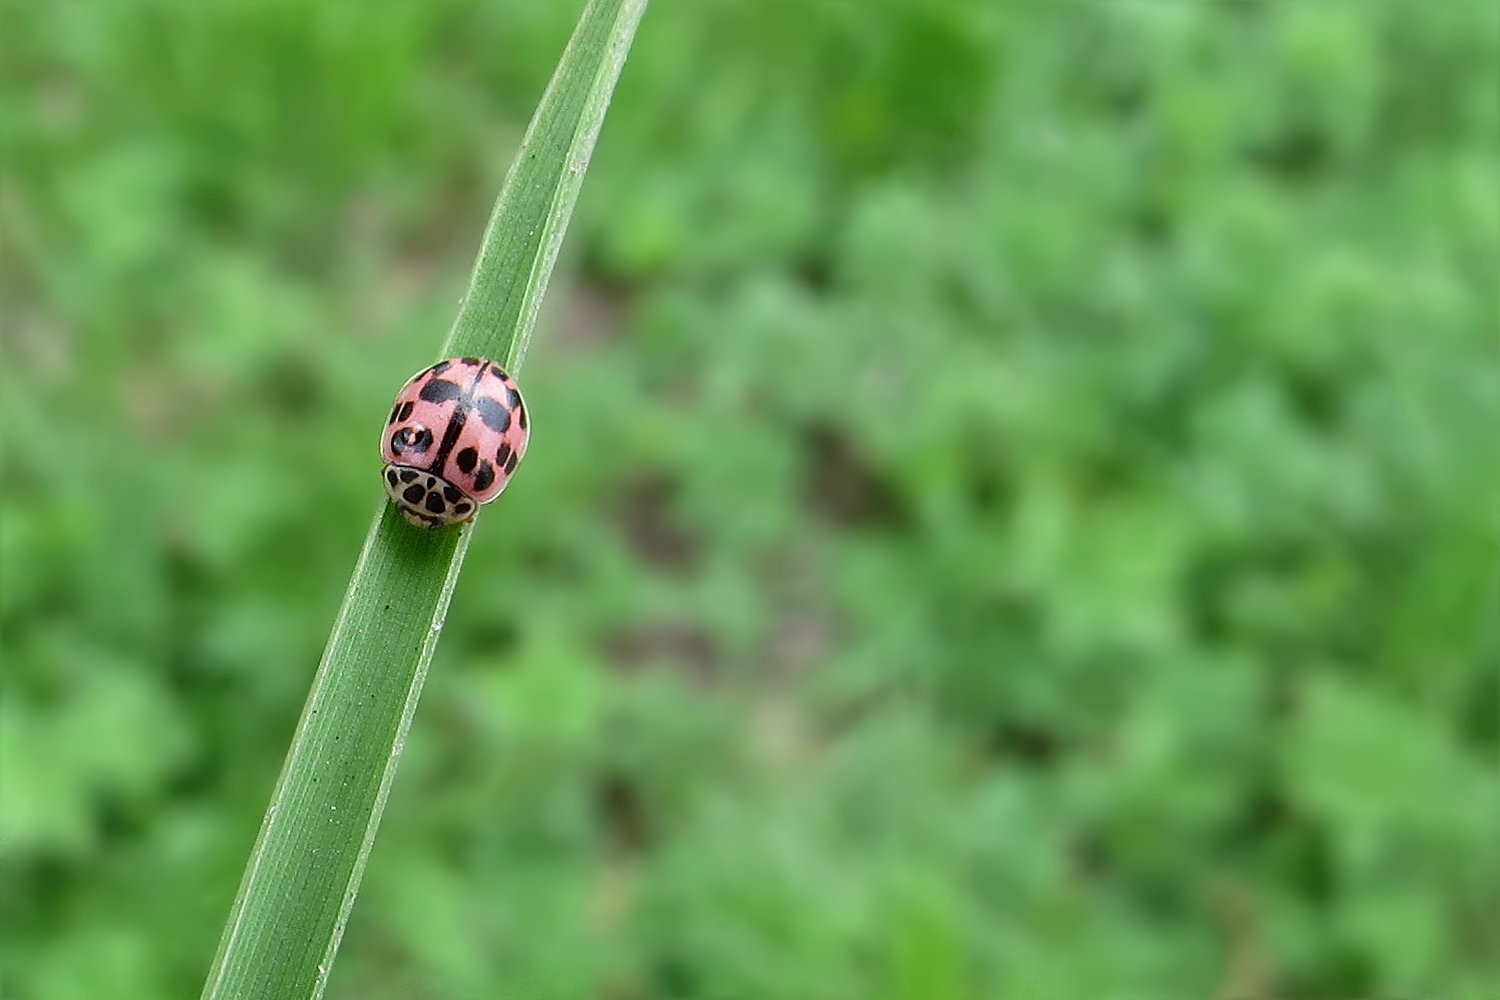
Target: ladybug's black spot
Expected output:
[510,463]
[502,454]
[521,411]
[439,368]
[494,414]
[407,475]
[463,507]
[435,503]
[452,493]
[411,438]
[471,362]
[440,390]
[395,411]
[451,433]
[429,482]
[414,494]
[420,519]
[484,476]
[406,409]
[390,477]
[466,459]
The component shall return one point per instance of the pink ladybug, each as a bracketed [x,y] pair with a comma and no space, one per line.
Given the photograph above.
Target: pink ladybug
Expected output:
[456,433]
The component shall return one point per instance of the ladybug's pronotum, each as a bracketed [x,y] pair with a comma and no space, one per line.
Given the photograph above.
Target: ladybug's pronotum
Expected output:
[455,435]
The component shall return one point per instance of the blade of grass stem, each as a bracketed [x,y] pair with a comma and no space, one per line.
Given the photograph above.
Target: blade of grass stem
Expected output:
[304,870]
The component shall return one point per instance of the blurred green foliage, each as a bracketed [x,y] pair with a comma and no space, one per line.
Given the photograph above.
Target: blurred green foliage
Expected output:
[1012,507]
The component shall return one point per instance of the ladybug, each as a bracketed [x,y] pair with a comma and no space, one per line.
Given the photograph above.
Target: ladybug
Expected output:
[455,435]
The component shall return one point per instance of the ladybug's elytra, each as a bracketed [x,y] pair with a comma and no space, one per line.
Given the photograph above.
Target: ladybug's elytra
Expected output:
[454,437]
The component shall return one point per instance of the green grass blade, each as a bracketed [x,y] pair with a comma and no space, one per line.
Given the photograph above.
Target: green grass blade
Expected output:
[304,871]
[531,215]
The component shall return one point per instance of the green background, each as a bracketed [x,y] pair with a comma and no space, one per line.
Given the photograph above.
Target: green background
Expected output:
[1011,513]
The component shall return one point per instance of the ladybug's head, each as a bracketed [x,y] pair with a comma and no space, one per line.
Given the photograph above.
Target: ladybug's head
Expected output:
[425,500]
